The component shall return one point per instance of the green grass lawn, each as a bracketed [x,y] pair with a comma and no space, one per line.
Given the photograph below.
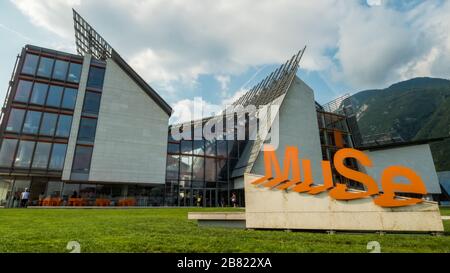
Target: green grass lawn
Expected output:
[445,211]
[168,230]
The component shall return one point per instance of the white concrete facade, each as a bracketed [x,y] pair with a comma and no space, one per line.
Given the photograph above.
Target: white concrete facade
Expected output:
[298,127]
[416,157]
[131,138]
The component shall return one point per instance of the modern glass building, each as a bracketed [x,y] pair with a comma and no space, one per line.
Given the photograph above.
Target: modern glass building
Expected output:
[87,130]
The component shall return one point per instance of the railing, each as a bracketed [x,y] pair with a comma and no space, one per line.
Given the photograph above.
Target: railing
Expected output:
[8,92]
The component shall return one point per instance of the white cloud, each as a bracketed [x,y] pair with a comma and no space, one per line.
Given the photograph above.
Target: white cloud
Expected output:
[223,80]
[374,2]
[177,41]
[197,108]
[52,15]
[193,109]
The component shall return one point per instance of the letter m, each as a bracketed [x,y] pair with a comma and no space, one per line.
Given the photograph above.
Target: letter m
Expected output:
[271,164]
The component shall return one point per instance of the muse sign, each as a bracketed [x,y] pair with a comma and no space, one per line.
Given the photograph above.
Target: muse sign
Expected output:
[303,182]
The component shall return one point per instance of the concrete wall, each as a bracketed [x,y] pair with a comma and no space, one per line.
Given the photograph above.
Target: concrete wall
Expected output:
[275,209]
[298,127]
[131,138]
[76,119]
[417,157]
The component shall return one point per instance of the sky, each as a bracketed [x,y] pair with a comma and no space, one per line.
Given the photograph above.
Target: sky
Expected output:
[213,51]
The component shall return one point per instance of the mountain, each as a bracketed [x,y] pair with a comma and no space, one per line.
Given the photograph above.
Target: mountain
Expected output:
[415,109]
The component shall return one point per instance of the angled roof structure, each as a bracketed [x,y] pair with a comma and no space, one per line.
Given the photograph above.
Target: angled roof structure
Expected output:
[270,91]
[89,41]
[274,85]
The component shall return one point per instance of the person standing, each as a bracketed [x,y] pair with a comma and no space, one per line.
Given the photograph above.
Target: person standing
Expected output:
[234,200]
[24,198]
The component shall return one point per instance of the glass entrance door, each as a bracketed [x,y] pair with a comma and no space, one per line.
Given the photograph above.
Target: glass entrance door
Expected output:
[211,198]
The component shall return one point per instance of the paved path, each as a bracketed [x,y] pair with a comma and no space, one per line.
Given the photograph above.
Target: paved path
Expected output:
[445,217]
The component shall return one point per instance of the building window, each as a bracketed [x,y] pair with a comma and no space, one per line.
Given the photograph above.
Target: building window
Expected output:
[210,169]
[7,152]
[87,129]
[30,64]
[173,148]
[63,128]
[222,172]
[91,102]
[199,147]
[45,67]
[185,167]
[41,155]
[222,148]
[57,157]
[198,172]
[54,96]
[172,166]
[23,91]
[48,124]
[24,154]
[39,93]
[210,149]
[82,159]
[186,147]
[60,71]
[31,125]
[74,73]
[15,120]
[69,99]
[96,77]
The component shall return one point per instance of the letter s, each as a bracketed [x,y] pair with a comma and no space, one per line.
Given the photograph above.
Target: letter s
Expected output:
[340,191]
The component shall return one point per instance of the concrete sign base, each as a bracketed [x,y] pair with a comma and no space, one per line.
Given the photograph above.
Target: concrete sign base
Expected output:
[276,209]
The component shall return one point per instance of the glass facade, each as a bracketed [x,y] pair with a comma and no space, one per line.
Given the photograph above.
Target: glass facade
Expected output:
[198,171]
[335,135]
[30,64]
[39,118]
[38,125]
[45,67]
[96,77]
[54,96]
[82,159]
[23,91]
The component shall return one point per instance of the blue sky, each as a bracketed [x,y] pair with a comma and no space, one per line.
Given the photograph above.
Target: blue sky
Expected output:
[215,50]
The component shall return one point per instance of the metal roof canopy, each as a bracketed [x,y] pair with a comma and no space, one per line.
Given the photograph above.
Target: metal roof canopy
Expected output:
[274,85]
[88,41]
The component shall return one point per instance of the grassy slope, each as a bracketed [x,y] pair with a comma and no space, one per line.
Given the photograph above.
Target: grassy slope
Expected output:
[168,230]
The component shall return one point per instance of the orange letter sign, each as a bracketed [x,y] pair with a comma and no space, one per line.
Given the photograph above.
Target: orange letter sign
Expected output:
[340,191]
[387,199]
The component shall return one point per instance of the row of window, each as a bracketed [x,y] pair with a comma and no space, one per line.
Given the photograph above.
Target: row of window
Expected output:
[196,168]
[38,123]
[88,125]
[31,154]
[50,68]
[44,94]
[220,148]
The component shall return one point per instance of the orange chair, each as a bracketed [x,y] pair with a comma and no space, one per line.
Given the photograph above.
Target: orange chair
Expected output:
[101,202]
[46,202]
[127,202]
[78,202]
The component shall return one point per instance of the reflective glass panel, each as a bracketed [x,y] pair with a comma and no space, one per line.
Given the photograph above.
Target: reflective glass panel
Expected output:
[31,125]
[15,120]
